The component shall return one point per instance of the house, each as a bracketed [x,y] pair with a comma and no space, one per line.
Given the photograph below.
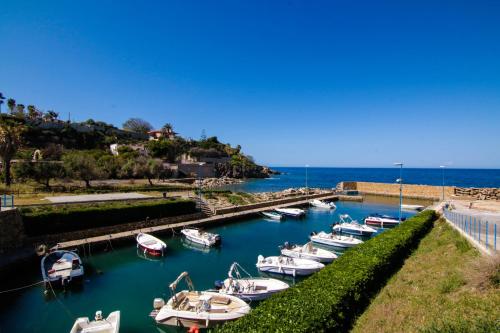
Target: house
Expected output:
[166,133]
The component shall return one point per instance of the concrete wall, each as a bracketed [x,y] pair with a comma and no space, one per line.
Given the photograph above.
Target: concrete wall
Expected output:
[206,171]
[11,230]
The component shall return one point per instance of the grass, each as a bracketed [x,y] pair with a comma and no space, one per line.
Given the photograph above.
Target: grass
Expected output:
[445,286]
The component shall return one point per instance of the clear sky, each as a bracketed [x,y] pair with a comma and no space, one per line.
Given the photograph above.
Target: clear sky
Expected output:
[333,83]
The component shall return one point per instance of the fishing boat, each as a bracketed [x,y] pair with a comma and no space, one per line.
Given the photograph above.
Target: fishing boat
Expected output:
[293,212]
[61,268]
[249,288]
[272,215]
[332,239]
[201,237]
[307,251]
[349,226]
[407,207]
[203,309]
[288,266]
[151,245]
[383,221]
[322,204]
[99,325]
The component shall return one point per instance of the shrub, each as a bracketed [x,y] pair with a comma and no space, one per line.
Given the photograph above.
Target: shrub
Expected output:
[57,219]
[331,299]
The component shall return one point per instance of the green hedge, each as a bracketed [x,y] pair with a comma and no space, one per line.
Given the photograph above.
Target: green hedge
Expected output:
[57,219]
[331,299]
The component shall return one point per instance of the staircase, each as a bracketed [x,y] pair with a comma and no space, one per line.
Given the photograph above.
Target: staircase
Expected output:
[203,206]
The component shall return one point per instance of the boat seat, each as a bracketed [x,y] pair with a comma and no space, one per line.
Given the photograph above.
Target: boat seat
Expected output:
[218,310]
[220,300]
[260,288]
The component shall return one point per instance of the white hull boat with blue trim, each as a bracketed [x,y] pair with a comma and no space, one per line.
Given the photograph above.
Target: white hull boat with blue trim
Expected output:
[332,239]
[308,251]
[288,266]
[349,226]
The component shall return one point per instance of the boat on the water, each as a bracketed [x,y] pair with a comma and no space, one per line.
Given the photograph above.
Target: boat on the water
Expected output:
[322,204]
[293,212]
[383,221]
[332,239]
[272,215]
[99,325]
[203,309]
[249,288]
[307,251]
[407,207]
[201,237]
[288,266]
[61,268]
[349,226]
[151,245]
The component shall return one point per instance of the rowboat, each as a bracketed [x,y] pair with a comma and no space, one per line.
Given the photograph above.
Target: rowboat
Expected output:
[308,251]
[349,226]
[332,239]
[202,309]
[293,212]
[272,215]
[61,267]
[322,204]
[151,245]
[383,221]
[288,266]
[99,325]
[201,237]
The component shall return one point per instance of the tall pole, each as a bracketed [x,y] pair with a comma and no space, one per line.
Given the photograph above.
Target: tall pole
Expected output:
[400,180]
[307,187]
[442,173]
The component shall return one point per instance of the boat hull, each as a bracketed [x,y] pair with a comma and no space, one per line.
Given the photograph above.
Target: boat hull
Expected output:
[355,232]
[333,242]
[288,270]
[305,255]
[382,224]
[153,252]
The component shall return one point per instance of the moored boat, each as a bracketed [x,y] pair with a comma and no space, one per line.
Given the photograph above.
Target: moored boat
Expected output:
[383,221]
[332,239]
[349,226]
[151,245]
[61,268]
[293,212]
[99,325]
[201,237]
[249,288]
[308,251]
[288,266]
[272,215]
[412,207]
[322,204]
[203,309]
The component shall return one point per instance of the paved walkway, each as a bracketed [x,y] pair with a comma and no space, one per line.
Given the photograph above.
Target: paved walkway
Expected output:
[97,197]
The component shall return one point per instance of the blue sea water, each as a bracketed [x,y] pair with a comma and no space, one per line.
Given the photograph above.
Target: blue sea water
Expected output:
[330,177]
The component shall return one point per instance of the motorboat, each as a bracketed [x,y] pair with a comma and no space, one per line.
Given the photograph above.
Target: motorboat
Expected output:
[272,215]
[249,288]
[288,266]
[332,239]
[307,251]
[349,226]
[99,325]
[61,267]
[293,212]
[201,237]
[383,221]
[407,207]
[151,245]
[203,309]
[322,204]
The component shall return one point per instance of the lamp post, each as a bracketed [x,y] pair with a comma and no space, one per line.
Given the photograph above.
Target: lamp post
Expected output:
[307,187]
[400,181]
[442,174]
[199,180]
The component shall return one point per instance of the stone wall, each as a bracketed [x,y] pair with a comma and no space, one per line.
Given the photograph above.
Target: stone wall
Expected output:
[11,230]
[478,193]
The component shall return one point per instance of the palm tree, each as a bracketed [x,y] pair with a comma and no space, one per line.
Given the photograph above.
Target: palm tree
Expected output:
[11,104]
[20,109]
[2,98]
[32,112]
[10,140]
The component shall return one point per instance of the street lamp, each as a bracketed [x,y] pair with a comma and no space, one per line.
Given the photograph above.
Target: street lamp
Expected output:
[400,181]
[199,180]
[442,173]
[307,188]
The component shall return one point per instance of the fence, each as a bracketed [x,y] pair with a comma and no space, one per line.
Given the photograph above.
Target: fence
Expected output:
[480,230]
[7,200]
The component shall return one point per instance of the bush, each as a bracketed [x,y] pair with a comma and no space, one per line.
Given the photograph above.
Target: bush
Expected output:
[56,219]
[331,299]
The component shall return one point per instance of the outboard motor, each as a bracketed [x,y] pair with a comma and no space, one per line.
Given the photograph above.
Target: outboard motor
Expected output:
[218,284]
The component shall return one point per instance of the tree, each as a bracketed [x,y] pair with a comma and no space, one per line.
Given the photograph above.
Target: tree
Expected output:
[2,98]
[20,109]
[10,141]
[11,104]
[137,125]
[33,113]
[147,168]
[41,172]
[50,115]
[82,166]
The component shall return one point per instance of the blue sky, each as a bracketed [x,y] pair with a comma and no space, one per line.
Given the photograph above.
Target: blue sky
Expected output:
[324,83]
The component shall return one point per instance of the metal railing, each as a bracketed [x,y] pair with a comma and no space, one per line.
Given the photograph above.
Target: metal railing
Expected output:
[7,200]
[480,230]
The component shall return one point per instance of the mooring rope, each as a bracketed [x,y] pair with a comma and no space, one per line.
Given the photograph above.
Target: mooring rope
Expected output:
[19,288]
[67,310]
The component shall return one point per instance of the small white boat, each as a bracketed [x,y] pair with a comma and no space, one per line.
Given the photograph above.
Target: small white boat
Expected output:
[61,267]
[322,204]
[249,288]
[151,245]
[412,207]
[308,251]
[293,212]
[100,325]
[383,221]
[287,265]
[272,215]
[202,309]
[201,237]
[332,239]
[349,226]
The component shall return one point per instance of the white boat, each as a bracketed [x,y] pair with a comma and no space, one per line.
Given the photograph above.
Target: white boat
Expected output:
[308,251]
[412,207]
[383,221]
[332,239]
[100,325]
[322,204]
[272,215]
[287,265]
[349,226]
[151,245]
[293,212]
[202,309]
[201,237]
[249,288]
[61,267]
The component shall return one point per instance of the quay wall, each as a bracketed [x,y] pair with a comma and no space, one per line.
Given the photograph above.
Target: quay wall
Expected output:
[12,234]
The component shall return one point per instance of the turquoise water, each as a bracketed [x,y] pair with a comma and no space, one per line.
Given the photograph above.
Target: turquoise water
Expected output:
[123,280]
